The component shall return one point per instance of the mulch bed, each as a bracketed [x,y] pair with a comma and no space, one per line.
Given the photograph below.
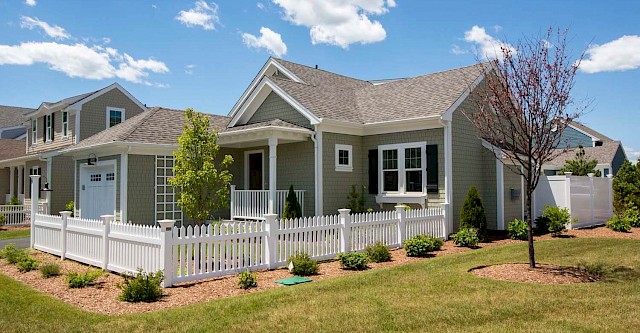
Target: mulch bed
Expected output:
[102,298]
[543,273]
[7,228]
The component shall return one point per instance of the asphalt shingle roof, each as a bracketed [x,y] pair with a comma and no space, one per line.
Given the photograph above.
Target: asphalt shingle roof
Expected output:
[590,131]
[158,125]
[333,96]
[603,154]
[264,124]
[12,149]
[11,116]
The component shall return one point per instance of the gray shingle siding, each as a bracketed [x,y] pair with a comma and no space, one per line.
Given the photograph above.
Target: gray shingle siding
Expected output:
[141,189]
[488,190]
[512,207]
[337,184]
[93,117]
[573,138]
[618,159]
[275,107]
[61,182]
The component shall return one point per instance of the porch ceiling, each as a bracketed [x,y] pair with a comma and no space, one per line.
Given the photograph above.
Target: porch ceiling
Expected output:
[261,136]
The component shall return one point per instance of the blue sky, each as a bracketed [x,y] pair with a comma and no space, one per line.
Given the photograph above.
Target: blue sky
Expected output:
[203,55]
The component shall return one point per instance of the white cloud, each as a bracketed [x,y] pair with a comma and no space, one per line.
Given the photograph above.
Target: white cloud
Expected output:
[55,31]
[188,69]
[30,3]
[203,15]
[269,40]
[486,47]
[497,28]
[632,154]
[621,54]
[260,5]
[106,40]
[457,50]
[338,22]
[154,6]
[80,60]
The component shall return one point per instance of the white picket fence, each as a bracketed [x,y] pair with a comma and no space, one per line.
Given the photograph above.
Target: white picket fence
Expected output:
[19,215]
[201,252]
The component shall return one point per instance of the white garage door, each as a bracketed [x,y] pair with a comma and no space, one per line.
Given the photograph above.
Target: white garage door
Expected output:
[97,192]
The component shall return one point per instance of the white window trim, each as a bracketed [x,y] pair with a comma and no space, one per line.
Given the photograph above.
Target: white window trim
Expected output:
[401,169]
[342,167]
[48,125]
[34,132]
[108,113]
[65,125]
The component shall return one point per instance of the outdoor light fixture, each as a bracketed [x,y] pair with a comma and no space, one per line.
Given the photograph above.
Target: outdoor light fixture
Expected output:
[46,185]
[92,160]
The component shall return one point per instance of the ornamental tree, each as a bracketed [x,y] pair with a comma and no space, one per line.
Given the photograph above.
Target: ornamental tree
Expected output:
[581,165]
[523,106]
[202,183]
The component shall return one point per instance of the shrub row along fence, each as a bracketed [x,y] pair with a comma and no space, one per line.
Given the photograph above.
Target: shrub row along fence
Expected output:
[200,252]
[19,215]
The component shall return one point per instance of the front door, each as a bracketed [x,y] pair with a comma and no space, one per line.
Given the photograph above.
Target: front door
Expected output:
[255,171]
[97,192]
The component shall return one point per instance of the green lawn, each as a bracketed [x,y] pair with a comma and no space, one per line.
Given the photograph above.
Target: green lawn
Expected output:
[436,295]
[11,234]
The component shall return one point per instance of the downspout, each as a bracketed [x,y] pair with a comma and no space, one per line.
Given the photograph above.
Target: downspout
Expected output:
[317,155]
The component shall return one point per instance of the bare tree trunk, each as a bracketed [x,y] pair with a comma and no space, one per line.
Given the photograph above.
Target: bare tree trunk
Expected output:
[529,211]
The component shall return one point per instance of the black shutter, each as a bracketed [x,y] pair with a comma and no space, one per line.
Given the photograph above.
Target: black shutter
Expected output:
[432,168]
[53,128]
[373,171]
[44,129]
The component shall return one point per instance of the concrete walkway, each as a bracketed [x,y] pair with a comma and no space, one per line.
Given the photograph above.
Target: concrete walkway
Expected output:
[21,243]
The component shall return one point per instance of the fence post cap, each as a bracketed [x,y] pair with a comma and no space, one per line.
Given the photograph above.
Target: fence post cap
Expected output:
[106,218]
[166,223]
[568,173]
[344,211]
[271,215]
[65,213]
[399,207]
[591,174]
[34,176]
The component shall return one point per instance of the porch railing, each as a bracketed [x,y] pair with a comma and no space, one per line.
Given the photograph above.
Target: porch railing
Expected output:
[8,197]
[253,204]
[20,215]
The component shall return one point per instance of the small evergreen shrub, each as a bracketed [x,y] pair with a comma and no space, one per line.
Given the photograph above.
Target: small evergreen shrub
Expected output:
[247,280]
[518,230]
[3,220]
[633,216]
[141,287]
[356,200]
[27,264]
[472,214]
[619,224]
[421,245]
[378,253]
[70,206]
[467,237]
[353,261]
[12,254]
[542,225]
[14,201]
[49,270]
[303,265]
[292,208]
[558,218]
[81,280]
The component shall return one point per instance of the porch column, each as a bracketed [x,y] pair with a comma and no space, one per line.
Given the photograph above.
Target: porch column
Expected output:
[273,159]
[20,180]
[11,182]
[448,173]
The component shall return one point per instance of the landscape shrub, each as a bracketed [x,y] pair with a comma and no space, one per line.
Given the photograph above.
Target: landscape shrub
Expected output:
[14,201]
[70,206]
[12,254]
[632,214]
[81,280]
[619,224]
[292,208]
[467,237]
[353,261]
[141,287]
[3,220]
[27,264]
[50,270]
[558,218]
[472,214]
[421,245]
[303,265]
[247,280]
[518,230]
[378,253]
[542,225]
[626,187]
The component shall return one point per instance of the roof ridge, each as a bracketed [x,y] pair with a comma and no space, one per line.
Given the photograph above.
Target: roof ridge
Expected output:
[323,70]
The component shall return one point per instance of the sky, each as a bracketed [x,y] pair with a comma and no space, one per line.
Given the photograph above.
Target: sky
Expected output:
[204,54]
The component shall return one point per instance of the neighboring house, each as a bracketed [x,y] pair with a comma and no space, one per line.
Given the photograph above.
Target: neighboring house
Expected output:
[56,126]
[405,140]
[609,153]
[12,122]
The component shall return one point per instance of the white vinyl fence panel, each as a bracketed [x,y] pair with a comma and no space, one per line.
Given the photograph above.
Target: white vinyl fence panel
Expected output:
[318,236]
[19,215]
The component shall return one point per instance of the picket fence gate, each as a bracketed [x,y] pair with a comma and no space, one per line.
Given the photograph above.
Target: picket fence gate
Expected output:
[200,252]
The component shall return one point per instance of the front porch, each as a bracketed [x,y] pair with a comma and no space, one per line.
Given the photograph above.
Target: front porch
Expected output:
[254,204]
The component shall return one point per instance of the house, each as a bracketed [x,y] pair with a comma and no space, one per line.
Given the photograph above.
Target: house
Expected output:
[608,152]
[53,127]
[405,140]
[12,122]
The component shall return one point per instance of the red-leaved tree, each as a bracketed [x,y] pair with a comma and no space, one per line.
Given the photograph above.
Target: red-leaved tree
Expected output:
[524,105]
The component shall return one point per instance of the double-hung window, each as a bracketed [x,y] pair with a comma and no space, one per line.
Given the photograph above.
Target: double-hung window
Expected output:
[403,168]
[34,131]
[48,123]
[65,124]
[114,116]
